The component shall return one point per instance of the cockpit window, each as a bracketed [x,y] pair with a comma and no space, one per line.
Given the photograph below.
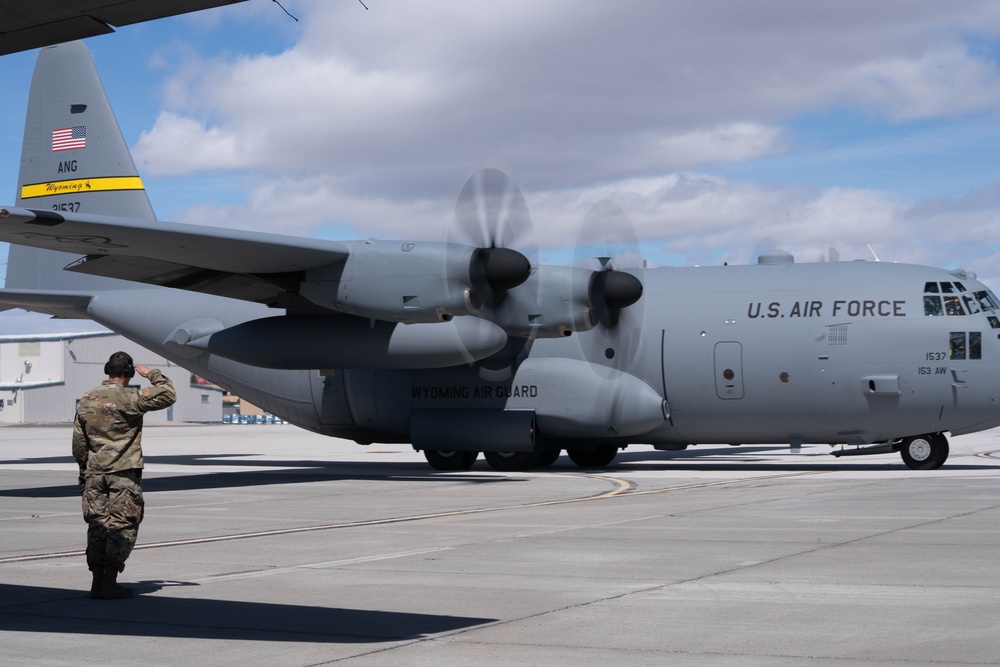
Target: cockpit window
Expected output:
[957,345]
[953,305]
[975,345]
[963,302]
[971,304]
[986,300]
[932,306]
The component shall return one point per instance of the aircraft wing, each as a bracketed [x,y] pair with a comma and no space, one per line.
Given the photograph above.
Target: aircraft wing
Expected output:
[29,24]
[252,266]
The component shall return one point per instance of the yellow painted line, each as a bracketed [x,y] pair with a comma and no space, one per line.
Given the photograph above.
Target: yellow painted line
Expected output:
[620,487]
[103,184]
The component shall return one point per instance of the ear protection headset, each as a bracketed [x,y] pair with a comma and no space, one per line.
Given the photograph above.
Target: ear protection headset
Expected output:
[119,365]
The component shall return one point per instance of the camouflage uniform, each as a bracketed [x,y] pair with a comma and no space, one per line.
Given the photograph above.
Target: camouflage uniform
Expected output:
[107,445]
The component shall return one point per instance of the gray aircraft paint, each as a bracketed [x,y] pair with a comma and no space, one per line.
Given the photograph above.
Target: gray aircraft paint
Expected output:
[775,352]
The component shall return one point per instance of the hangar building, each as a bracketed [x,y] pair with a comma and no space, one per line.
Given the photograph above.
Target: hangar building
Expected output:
[43,376]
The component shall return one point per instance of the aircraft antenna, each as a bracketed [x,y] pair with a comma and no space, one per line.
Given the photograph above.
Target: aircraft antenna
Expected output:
[287,12]
[873,253]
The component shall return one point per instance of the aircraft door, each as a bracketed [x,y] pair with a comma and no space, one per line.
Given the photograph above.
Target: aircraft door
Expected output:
[729,370]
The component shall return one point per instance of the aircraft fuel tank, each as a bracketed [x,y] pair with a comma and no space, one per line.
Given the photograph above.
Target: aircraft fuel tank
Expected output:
[297,342]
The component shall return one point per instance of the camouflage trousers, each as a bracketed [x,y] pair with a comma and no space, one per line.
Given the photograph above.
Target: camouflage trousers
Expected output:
[113,508]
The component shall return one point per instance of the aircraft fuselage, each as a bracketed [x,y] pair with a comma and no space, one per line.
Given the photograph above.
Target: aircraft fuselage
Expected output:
[850,353]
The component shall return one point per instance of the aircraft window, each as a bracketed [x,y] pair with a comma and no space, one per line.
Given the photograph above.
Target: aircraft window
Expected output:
[932,306]
[930,288]
[957,345]
[960,287]
[993,299]
[994,322]
[953,306]
[947,288]
[975,345]
[984,300]
[971,304]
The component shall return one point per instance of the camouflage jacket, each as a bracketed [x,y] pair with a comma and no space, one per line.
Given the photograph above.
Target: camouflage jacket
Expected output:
[107,430]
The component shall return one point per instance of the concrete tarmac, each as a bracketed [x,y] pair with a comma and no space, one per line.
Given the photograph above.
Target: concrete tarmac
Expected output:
[270,545]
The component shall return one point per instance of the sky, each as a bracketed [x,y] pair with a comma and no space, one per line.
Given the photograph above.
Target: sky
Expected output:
[849,130]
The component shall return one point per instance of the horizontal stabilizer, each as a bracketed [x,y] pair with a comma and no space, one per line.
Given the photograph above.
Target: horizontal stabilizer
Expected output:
[66,305]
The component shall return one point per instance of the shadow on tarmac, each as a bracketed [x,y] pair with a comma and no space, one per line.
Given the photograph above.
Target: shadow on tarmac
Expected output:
[727,459]
[296,472]
[65,611]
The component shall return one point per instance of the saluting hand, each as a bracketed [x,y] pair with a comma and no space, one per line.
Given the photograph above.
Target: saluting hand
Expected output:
[142,370]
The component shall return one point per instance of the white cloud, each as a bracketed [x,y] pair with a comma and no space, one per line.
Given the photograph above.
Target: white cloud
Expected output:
[401,97]
[941,82]
[193,147]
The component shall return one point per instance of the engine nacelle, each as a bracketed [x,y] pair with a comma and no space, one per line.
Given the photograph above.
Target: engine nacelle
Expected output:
[552,302]
[399,281]
[558,300]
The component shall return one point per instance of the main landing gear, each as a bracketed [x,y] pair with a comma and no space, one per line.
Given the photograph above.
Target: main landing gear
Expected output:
[588,456]
[593,456]
[503,461]
[450,460]
[519,461]
[511,461]
[924,452]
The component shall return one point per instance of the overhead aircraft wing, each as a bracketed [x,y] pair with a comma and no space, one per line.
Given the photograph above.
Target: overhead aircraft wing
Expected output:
[252,266]
[29,24]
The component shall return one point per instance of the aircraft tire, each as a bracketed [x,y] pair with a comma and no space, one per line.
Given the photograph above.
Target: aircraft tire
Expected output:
[547,457]
[450,460]
[924,452]
[511,461]
[593,456]
[945,450]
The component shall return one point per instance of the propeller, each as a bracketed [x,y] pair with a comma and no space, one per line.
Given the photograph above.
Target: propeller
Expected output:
[492,215]
[608,242]
[608,238]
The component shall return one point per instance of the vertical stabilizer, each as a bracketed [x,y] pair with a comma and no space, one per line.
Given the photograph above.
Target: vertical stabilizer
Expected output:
[74,158]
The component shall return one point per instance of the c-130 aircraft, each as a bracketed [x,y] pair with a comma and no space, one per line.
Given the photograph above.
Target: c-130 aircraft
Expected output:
[467,347]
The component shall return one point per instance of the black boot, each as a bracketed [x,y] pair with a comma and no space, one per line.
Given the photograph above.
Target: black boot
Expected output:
[95,587]
[110,590]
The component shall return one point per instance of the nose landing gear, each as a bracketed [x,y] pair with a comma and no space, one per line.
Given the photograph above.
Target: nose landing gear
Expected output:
[924,452]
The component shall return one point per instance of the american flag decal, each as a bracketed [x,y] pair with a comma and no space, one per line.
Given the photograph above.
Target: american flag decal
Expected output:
[69,138]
